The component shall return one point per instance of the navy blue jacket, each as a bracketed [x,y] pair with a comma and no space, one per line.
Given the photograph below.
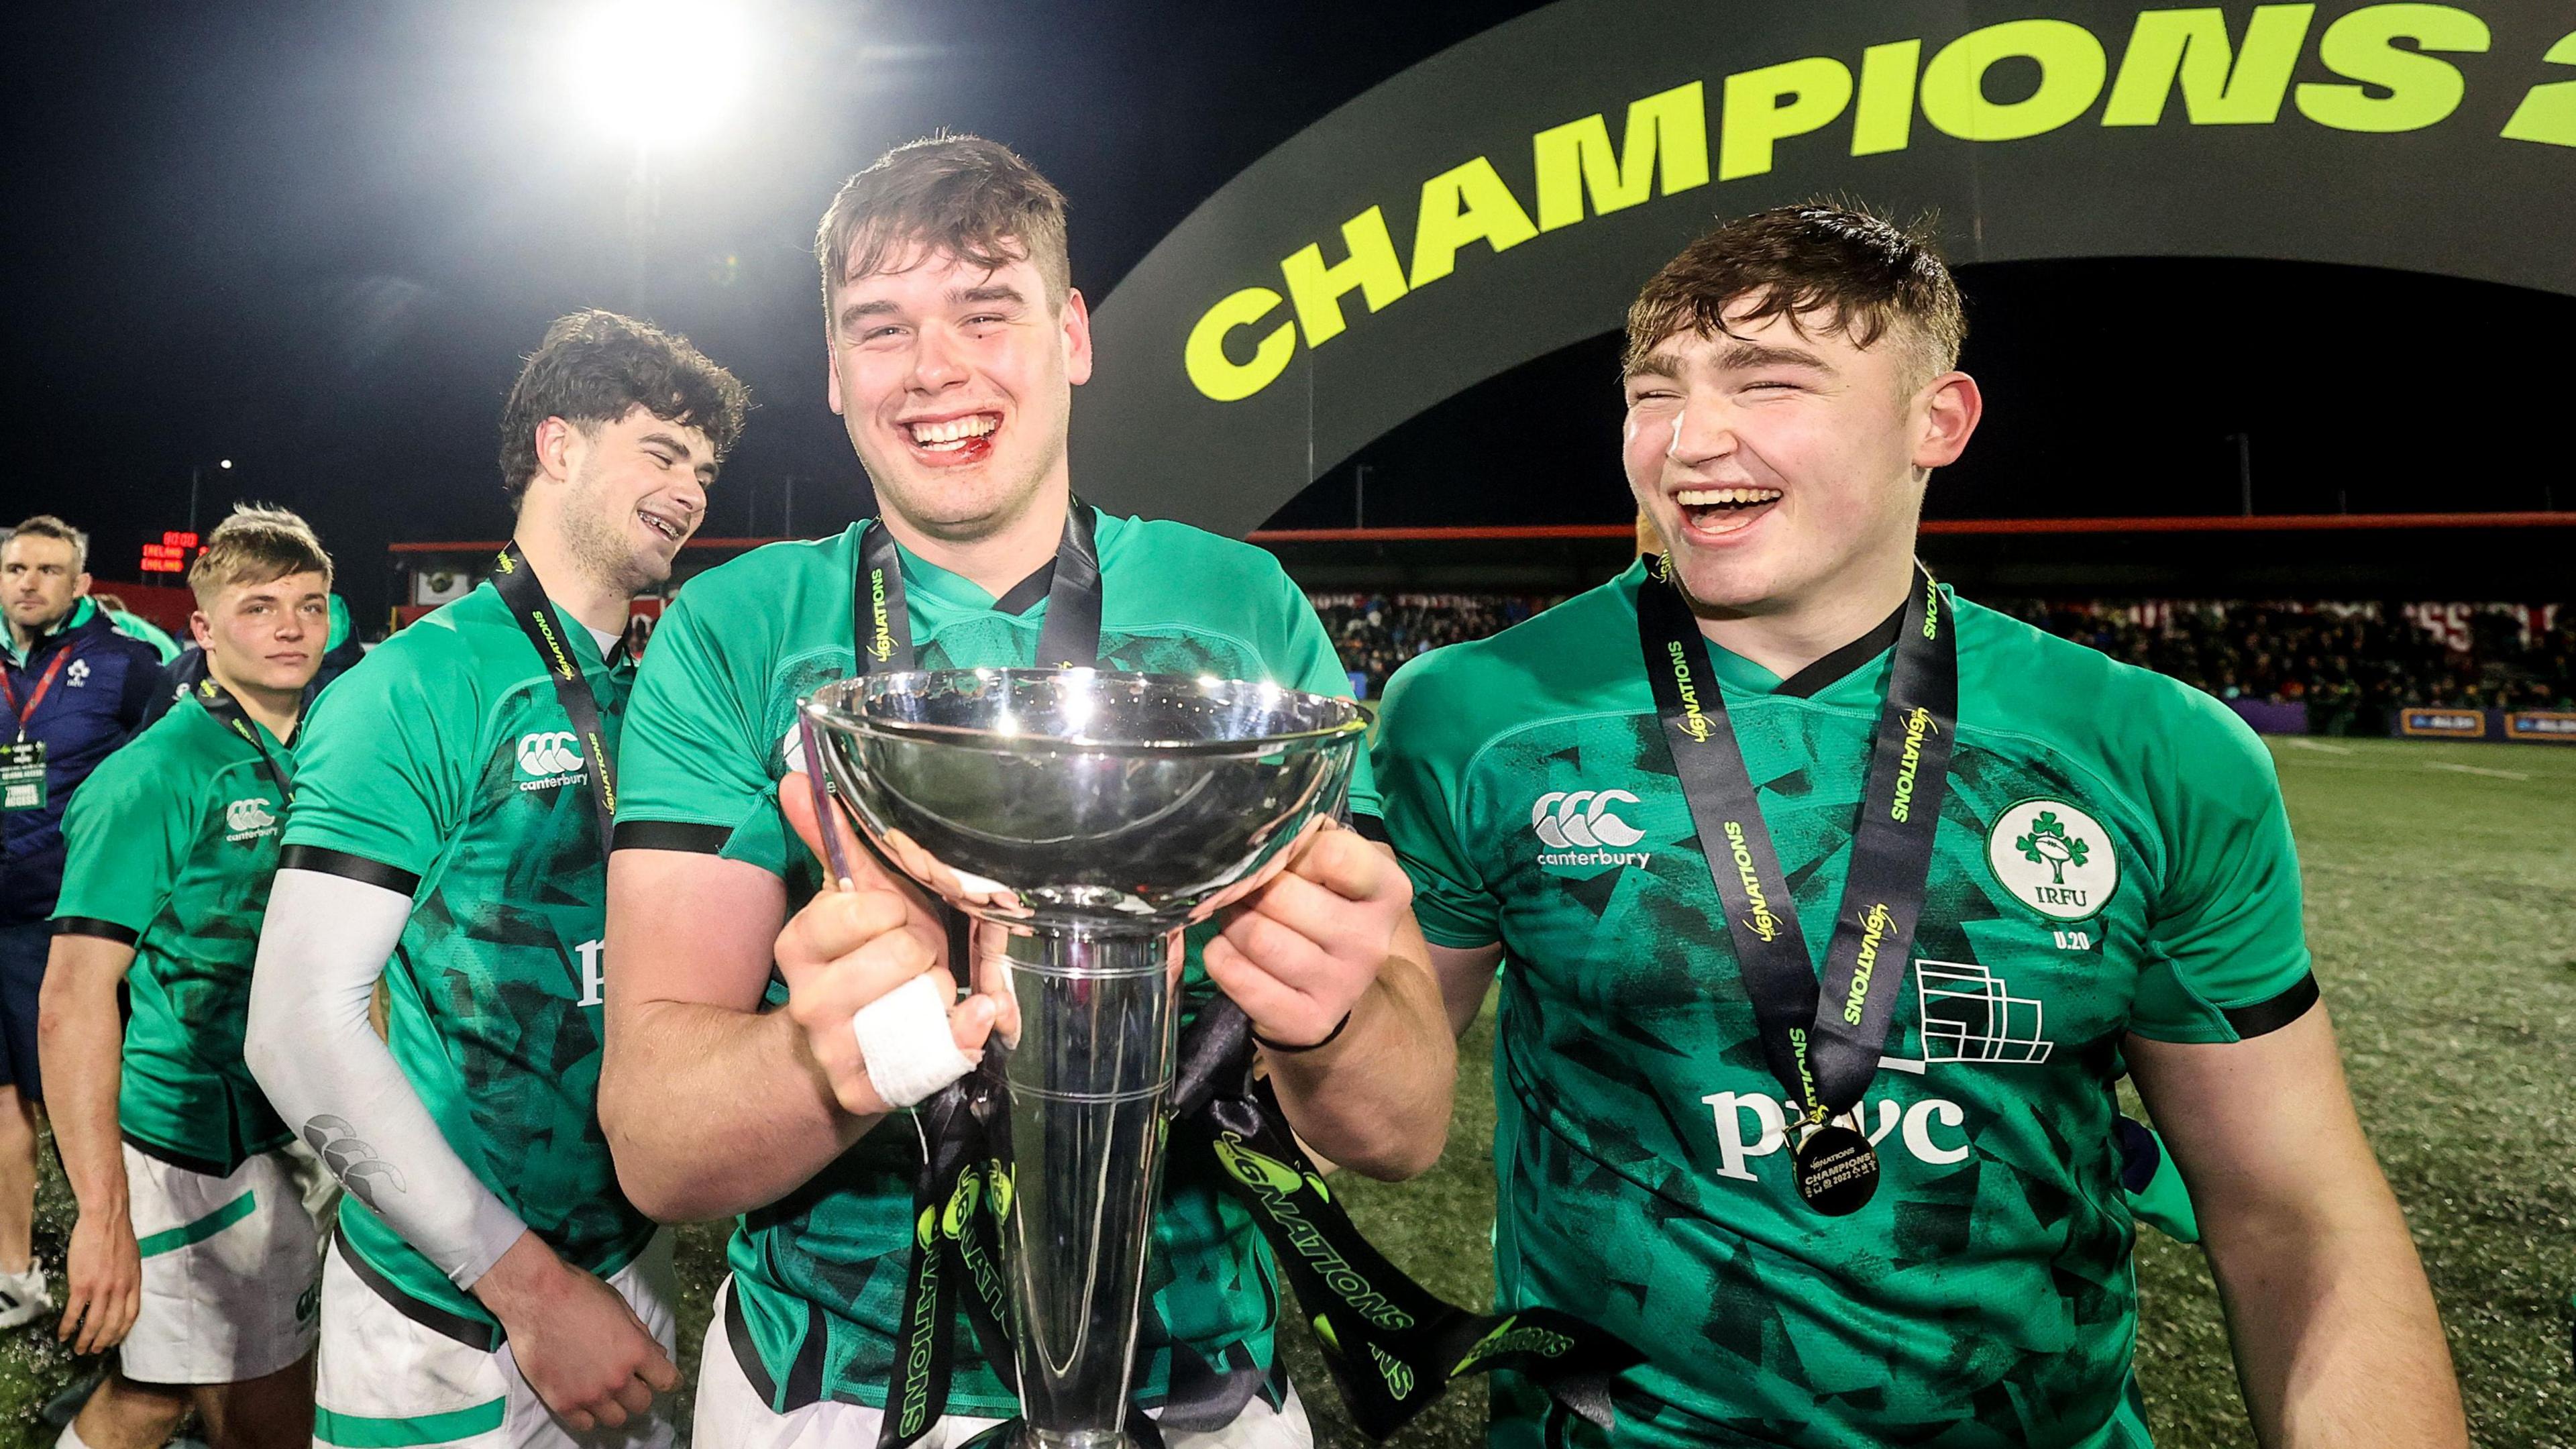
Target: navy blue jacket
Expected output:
[96,703]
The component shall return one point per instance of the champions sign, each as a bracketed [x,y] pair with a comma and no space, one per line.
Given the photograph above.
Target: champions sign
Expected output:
[1508,196]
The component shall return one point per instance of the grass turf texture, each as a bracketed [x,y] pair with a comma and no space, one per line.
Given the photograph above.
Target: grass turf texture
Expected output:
[2444,924]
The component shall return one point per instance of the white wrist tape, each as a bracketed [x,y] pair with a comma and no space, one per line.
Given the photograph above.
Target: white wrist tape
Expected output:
[905,1045]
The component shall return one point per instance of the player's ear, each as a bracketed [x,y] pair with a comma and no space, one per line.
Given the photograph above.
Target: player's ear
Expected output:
[1946,413]
[557,443]
[201,631]
[1077,338]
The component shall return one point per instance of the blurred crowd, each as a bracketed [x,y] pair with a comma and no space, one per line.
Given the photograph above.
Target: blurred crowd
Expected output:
[1375,633]
[2349,663]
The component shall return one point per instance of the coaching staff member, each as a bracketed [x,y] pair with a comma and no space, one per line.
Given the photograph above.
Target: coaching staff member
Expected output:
[74,689]
[1875,1201]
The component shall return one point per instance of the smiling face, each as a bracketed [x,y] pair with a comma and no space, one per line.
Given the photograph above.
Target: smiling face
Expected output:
[633,491]
[955,382]
[1782,463]
[267,637]
[39,579]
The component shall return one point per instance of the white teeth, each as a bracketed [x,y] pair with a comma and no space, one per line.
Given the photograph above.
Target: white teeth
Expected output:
[660,525]
[955,430]
[1705,497]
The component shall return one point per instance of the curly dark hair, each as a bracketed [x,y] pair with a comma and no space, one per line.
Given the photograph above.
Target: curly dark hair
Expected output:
[594,368]
[1864,274]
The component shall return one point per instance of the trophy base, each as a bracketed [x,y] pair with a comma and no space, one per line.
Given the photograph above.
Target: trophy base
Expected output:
[1035,1438]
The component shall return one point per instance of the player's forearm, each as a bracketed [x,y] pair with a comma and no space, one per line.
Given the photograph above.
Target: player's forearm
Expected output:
[1377,1099]
[322,946]
[81,1042]
[2337,1338]
[712,1111]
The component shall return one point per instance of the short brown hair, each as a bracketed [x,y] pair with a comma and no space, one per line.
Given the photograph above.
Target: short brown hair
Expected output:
[972,199]
[256,544]
[45,525]
[594,368]
[1866,274]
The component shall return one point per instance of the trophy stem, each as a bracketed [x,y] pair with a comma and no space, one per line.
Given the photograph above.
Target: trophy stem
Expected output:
[1090,1083]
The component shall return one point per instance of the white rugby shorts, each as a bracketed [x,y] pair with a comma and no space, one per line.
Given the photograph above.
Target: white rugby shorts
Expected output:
[732,1414]
[392,1372]
[230,1268]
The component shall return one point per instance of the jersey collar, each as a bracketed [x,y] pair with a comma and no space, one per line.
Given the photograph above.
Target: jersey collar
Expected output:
[960,592]
[1864,658]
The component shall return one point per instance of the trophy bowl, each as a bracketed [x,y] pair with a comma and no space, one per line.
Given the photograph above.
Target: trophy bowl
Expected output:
[1091,815]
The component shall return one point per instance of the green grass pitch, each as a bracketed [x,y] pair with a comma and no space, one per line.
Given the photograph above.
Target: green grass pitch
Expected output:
[2441,886]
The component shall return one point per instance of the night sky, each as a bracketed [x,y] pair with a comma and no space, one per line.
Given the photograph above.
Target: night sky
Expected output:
[317,238]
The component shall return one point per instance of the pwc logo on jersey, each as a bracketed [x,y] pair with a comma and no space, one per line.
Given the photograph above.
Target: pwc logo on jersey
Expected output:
[2053,858]
[247,818]
[1577,824]
[550,758]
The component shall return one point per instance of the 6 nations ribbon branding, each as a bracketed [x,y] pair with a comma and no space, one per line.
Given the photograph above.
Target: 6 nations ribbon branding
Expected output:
[520,588]
[1821,1040]
[1392,1346]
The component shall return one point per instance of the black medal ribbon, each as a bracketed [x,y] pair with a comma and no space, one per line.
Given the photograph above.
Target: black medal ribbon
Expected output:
[1821,1039]
[1392,1346]
[1069,639]
[219,702]
[525,594]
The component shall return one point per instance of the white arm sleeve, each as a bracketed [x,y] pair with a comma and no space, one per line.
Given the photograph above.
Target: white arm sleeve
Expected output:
[325,941]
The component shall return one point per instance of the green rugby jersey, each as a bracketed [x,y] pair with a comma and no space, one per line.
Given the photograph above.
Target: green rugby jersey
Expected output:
[171,847]
[2112,857]
[819,1276]
[443,767]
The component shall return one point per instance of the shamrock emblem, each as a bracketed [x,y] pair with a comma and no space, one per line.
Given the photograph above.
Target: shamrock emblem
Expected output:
[2048,844]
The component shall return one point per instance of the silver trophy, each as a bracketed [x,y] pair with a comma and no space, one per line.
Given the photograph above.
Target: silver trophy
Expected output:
[1089,816]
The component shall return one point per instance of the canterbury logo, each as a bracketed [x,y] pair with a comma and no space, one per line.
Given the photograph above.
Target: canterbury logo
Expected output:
[1565,821]
[249,814]
[549,752]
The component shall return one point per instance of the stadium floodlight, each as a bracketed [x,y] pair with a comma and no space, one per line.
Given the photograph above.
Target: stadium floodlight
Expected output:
[659,72]
[224,463]
[656,74]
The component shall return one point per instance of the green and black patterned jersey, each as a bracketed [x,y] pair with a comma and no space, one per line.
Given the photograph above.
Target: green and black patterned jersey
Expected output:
[444,767]
[171,847]
[819,1276]
[2112,857]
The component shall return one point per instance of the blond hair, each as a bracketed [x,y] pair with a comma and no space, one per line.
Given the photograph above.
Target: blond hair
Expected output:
[45,525]
[257,544]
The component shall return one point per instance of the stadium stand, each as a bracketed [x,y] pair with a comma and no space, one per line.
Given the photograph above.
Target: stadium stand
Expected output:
[2351,664]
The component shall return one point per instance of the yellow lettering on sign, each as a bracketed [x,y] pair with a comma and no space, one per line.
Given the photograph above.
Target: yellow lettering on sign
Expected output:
[1219,377]
[1668,130]
[1884,118]
[1774,103]
[1465,204]
[2071,68]
[2361,46]
[2548,114]
[1371,269]
[2220,87]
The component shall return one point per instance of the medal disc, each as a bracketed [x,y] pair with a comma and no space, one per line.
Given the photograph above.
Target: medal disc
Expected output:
[1837,1169]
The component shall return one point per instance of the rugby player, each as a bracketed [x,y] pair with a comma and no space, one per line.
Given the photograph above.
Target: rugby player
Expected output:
[1880,1207]
[954,342]
[489,1284]
[193,1255]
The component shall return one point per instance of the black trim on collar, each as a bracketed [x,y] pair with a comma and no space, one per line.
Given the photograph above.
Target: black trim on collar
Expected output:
[2264,1017]
[1025,594]
[352,867]
[104,930]
[1807,683]
[688,835]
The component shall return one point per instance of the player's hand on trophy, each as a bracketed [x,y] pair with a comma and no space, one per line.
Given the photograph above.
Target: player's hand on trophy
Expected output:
[575,1340]
[1299,952]
[102,1283]
[849,948]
